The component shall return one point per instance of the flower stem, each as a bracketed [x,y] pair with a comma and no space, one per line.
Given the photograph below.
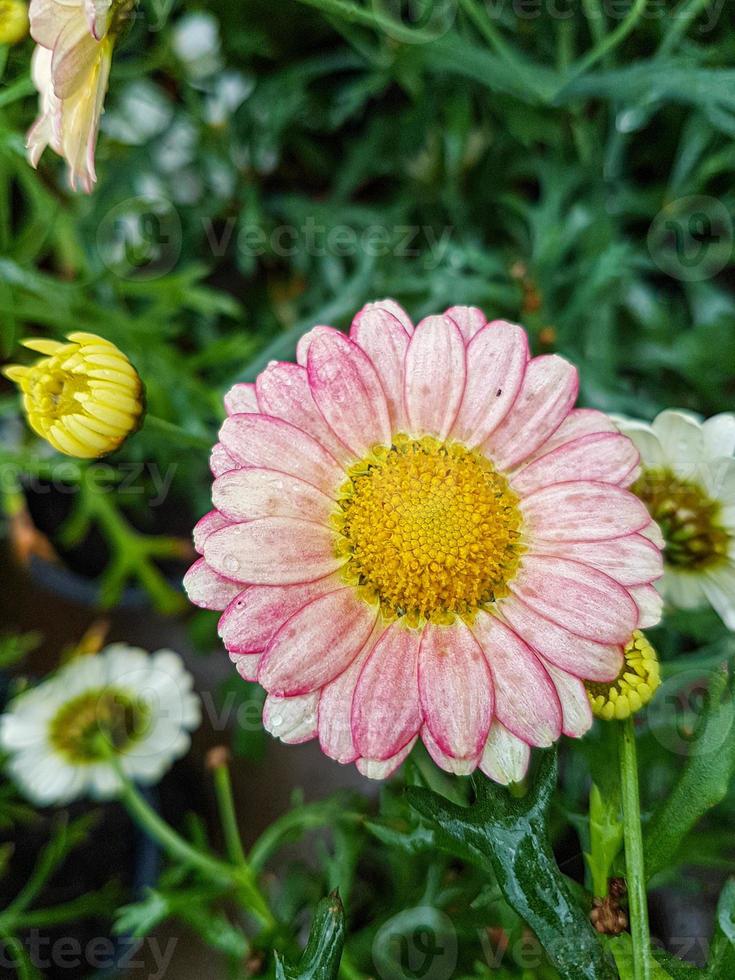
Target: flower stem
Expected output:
[240,876]
[635,874]
[174,845]
[152,422]
[610,41]
[227,815]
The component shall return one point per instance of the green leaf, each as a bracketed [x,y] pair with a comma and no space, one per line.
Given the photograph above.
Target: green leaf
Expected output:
[140,918]
[323,953]
[509,836]
[606,838]
[664,966]
[702,783]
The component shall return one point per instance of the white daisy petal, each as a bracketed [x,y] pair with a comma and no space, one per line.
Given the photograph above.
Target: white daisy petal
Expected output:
[718,584]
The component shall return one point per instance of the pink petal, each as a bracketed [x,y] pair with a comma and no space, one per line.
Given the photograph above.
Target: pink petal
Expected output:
[525,698]
[650,605]
[455,688]
[389,306]
[207,589]
[260,440]
[459,767]
[496,363]
[606,457]
[246,494]
[547,395]
[505,758]
[252,620]
[316,644]
[580,422]
[386,713]
[220,460]
[347,390]
[434,377]
[469,319]
[302,348]
[246,665]
[630,560]
[583,511]
[376,769]
[582,599]
[575,705]
[241,399]
[284,392]
[575,654]
[273,551]
[213,521]
[385,341]
[293,720]
[335,708]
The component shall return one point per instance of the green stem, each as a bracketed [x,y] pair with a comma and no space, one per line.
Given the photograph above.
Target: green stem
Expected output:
[351,12]
[681,18]
[635,873]
[174,845]
[612,40]
[153,423]
[227,815]
[241,876]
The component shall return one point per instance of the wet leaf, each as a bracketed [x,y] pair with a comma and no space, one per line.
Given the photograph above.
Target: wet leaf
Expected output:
[509,836]
[323,953]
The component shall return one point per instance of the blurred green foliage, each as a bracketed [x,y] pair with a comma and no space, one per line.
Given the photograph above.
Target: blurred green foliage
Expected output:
[267,167]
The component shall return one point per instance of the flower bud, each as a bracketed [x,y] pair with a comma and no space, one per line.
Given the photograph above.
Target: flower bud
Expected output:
[84,397]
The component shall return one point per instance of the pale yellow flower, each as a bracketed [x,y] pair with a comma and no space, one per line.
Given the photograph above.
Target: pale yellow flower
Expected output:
[84,397]
[71,70]
[633,688]
[13,21]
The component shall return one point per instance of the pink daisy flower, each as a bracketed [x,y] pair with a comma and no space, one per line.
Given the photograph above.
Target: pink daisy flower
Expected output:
[417,535]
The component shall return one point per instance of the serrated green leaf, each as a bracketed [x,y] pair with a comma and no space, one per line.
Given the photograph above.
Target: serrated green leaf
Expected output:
[323,953]
[509,835]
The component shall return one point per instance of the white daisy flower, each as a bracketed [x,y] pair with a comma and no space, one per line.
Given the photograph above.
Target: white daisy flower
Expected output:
[687,481]
[59,735]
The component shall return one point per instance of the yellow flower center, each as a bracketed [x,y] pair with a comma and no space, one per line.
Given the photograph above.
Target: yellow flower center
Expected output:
[53,388]
[97,722]
[431,530]
[634,686]
[688,518]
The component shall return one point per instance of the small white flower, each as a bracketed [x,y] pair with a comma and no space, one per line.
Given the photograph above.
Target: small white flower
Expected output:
[196,42]
[59,735]
[688,483]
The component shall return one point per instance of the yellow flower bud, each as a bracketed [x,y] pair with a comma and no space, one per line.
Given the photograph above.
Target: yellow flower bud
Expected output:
[13,21]
[634,686]
[84,397]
